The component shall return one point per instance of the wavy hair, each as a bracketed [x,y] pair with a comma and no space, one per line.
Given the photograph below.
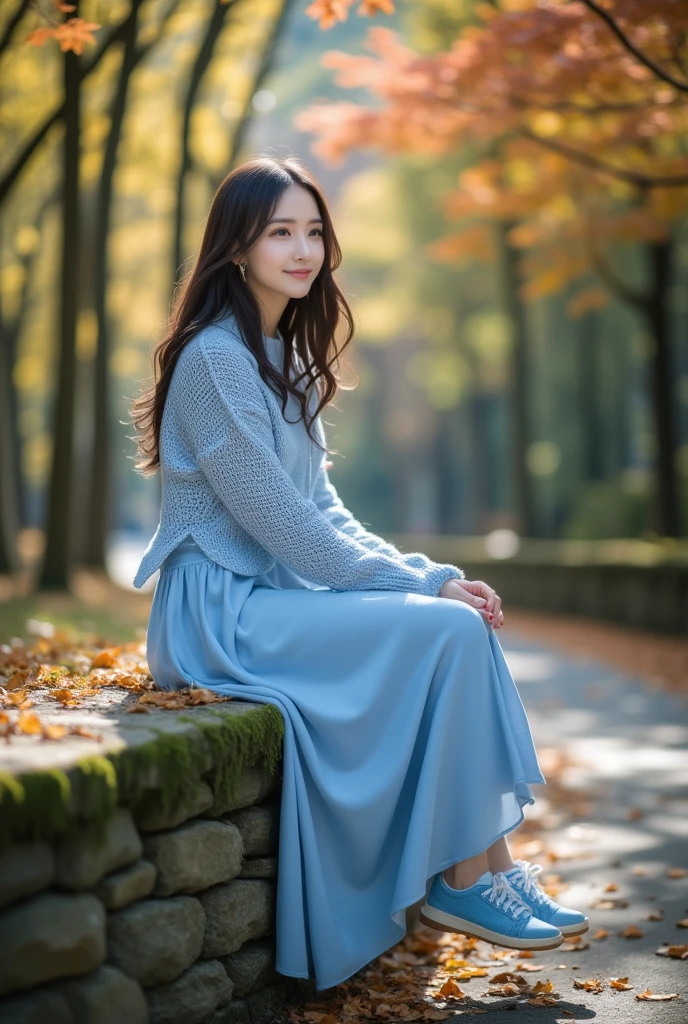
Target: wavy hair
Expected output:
[241,209]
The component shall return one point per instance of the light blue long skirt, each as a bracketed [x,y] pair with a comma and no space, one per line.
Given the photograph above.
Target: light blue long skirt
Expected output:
[406,749]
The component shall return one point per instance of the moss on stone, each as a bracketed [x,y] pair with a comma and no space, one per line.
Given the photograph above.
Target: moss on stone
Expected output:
[48,804]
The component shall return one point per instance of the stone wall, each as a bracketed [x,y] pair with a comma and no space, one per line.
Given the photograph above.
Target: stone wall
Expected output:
[166,914]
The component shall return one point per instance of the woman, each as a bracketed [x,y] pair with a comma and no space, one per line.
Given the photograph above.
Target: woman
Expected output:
[407,754]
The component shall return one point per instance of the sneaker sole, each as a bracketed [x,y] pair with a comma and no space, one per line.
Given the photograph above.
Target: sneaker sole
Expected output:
[574,929]
[450,923]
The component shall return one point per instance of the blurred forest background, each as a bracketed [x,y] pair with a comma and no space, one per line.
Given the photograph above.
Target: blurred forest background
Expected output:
[509,183]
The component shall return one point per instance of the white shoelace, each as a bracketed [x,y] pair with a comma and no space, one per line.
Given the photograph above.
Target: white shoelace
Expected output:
[504,896]
[527,875]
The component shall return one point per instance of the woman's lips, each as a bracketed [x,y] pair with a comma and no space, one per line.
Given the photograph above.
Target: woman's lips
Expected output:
[298,273]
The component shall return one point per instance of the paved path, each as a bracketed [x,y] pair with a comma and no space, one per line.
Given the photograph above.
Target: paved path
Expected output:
[631,740]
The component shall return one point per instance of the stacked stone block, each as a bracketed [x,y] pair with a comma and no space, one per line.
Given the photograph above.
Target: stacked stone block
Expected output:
[170,919]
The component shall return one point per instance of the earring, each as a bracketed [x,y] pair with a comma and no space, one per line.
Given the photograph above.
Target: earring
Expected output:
[242,270]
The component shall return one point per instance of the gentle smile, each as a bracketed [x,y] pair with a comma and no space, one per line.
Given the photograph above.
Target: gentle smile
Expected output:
[298,273]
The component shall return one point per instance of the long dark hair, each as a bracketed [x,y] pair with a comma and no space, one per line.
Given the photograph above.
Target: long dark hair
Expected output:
[241,209]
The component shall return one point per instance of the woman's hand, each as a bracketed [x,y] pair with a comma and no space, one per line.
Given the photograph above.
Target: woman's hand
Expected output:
[478,595]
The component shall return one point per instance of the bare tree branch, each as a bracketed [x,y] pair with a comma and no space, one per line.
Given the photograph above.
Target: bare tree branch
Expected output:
[595,164]
[643,58]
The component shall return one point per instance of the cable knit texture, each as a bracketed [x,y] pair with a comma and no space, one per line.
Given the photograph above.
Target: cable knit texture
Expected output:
[251,487]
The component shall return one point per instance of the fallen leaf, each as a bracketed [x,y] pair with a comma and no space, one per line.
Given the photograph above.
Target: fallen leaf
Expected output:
[677,873]
[620,983]
[29,722]
[631,931]
[676,952]
[649,995]
[105,659]
[591,985]
[450,988]
[54,732]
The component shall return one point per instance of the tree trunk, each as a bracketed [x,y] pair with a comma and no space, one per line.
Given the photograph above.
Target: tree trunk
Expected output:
[9,513]
[515,311]
[659,323]
[54,574]
[98,522]
[590,414]
[203,58]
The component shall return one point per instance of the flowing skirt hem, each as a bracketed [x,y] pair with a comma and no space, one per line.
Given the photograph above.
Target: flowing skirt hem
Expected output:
[361,964]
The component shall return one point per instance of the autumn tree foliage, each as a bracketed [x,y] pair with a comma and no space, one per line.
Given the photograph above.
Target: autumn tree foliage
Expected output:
[575,116]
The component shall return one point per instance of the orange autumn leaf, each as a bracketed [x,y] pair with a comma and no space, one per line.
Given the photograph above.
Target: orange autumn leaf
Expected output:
[29,723]
[370,8]
[677,873]
[650,996]
[16,680]
[590,985]
[465,973]
[328,12]
[74,33]
[621,984]
[38,36]
[677,952]
[508,977]
[54,732]
[450,988]
[631,931]
[63,696]
[510,989]
[105,659]
[82,730]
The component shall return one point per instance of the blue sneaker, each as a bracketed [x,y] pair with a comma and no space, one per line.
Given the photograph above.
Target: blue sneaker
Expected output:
[491,909]
[523,879]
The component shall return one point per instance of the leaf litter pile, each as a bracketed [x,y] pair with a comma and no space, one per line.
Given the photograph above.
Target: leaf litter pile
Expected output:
[429,975]
[52,672]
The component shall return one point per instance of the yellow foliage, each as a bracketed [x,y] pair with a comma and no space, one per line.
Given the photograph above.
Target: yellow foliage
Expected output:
[127,362]
[36,457]
[86,335]
[545,123]
[383,315]
[31,373]
[442,374]
[26,240]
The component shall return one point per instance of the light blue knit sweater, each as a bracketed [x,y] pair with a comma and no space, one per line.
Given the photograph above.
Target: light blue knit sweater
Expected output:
[250,487]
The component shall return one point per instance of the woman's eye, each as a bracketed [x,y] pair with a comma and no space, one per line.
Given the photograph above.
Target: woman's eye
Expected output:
[284,229]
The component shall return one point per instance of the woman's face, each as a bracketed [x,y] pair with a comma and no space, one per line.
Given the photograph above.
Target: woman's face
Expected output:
[292,241]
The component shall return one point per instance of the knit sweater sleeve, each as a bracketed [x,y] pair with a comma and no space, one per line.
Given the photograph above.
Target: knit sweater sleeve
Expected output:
[330,504]
[229,429]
